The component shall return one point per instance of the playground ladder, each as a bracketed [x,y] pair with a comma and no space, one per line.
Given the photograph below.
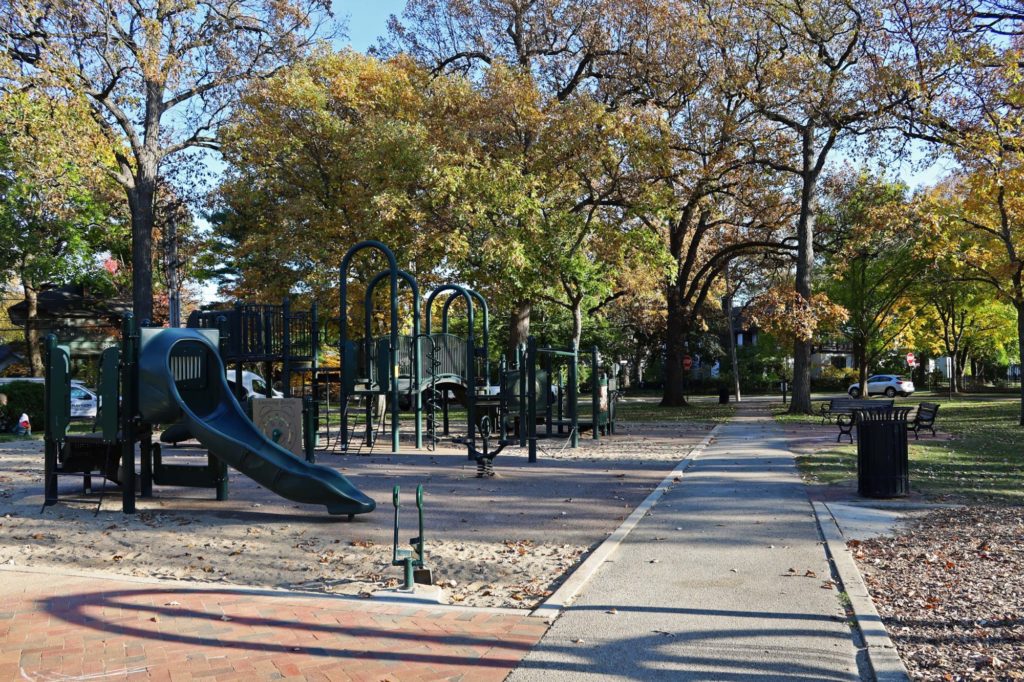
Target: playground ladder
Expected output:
[354,415]
[432,395]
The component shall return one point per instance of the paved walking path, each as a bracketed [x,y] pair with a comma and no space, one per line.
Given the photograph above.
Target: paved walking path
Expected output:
[726,579]
[61,628]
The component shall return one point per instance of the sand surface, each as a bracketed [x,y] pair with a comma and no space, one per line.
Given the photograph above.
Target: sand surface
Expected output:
[504,541]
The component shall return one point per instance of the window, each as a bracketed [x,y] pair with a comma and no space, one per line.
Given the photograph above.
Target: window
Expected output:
[79,394]
[259,387]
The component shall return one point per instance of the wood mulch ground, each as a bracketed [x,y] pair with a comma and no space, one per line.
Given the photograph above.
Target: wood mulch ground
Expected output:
[950,593]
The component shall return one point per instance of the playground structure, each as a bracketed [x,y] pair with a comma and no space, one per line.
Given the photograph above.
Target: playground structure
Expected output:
[162,376]
[176,377]
[265,335]
[395,370]
[552,398]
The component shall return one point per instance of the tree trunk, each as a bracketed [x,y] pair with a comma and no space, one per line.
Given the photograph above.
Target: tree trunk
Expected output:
[140,202]
[519,326]
[674,394]
[732,337]
[577,324]
[35,348]
[862,369]
[801,402]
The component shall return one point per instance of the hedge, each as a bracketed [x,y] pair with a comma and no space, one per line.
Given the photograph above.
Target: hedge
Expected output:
[23,396]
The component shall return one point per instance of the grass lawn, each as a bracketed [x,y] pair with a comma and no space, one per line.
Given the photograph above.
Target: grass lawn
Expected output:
[696,411]
[983,462]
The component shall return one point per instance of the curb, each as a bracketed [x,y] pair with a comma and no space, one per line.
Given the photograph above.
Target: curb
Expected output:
[574,584]
[882,657]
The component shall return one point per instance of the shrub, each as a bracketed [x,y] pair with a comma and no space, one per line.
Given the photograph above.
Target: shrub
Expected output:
[835,379]
[24,396]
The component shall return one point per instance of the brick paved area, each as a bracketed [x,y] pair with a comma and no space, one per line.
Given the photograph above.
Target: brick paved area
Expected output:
[57,627]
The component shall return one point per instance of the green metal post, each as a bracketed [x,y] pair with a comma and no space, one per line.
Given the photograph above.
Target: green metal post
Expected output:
[57,410]
[286,348]
[309,428]
[521,360]
[548,366]
[574,385]
[241,351]
[595,392]
[314,349]
[221,479]
[561,399]
[129,410]
[531,380]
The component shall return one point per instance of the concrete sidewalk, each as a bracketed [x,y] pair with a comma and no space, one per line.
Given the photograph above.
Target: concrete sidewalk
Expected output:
[726,579]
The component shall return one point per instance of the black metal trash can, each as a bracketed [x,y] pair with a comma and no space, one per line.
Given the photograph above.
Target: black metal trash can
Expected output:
[882,462]
[723,396]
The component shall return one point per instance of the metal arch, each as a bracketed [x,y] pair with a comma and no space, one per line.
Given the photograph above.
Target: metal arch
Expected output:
[416,360]
[487,325]
[413,285]
[393,272]
[458,291]
[470,353]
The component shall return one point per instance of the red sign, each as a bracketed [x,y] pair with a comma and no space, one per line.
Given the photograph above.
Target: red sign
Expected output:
[687,362]
[911,360]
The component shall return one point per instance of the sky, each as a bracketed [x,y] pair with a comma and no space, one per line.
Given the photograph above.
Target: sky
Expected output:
[366,20]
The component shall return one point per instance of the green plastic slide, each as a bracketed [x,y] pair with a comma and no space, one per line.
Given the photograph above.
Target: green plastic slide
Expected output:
[181,377]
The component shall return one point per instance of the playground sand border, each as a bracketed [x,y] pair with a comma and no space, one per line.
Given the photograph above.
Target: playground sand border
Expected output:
[567,592]
[51,572]
[882,658]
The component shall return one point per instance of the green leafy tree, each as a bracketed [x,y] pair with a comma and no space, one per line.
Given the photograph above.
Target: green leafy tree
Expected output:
[55,206]
[874,260]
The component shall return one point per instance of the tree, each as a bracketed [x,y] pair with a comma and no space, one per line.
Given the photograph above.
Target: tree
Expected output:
[563,45]
[55,210]
[875,259]
[335,149]
[549,198]
[969,106]
[815,73]
[159,75]
[964,321]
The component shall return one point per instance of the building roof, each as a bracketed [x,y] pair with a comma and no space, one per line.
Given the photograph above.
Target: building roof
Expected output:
[70,303]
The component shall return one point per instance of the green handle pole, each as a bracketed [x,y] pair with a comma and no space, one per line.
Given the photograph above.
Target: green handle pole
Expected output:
[574,420]
[595,394]
[531,419]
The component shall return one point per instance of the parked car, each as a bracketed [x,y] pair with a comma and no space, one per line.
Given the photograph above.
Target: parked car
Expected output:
[889,385]
[84,402]
[255,386]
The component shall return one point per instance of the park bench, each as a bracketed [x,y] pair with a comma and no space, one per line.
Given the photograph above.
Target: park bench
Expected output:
[844,410]
[924,419]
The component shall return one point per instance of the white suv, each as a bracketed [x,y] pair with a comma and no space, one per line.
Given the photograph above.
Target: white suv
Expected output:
[889,385]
